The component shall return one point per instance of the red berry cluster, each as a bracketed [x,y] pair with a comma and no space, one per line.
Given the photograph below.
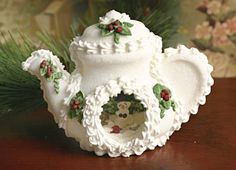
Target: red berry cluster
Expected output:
[115,25]
[44,64]
[115,129]
[75,104]
[165,94]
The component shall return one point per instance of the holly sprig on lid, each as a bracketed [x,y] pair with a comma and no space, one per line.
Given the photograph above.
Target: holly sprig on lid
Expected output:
[51,73]
[117,29]
[163,94]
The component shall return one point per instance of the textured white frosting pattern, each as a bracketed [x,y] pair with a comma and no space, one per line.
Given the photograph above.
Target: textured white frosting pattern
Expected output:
[95,131]
[112,16]
[107,48]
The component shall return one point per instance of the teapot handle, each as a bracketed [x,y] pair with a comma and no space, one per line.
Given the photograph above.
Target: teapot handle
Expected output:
[187,73]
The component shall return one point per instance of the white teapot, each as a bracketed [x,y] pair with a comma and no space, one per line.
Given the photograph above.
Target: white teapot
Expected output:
[120,60]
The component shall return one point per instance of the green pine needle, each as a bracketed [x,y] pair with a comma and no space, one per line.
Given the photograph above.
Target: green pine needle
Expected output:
[19,91]
[59,47]
[162,18]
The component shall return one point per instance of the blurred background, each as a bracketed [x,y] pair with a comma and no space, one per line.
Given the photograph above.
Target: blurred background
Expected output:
[209,25]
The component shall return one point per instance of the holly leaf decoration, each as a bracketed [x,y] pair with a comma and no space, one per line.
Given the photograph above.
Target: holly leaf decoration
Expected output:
[127,24]
[58,75]
[166,104]
[51,73]
[77,104]
[102,26]
[125,31]
[157,90]
[106,32]
[116,29]
[163,94]
[43,71]
[173,105]
[162,111]
[117,38]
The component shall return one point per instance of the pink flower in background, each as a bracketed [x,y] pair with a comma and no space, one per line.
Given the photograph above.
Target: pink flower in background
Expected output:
[203,31]
[219,34]
[214,7]
[231,26]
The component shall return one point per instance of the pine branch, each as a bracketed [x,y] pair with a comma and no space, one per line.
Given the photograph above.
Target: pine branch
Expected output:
[19,91]
[59,47]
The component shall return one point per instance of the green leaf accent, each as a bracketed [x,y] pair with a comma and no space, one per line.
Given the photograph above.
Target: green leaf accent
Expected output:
[80,117]
[49,78]
[77,113]
[106,32]
[166,104]
[163,105]
[102,26]
[42,71]
[58,75]
[126,31]
[157,90]
[162,113]
[127,24]
[120,23]
[117,38]
[72,113]
[173,105]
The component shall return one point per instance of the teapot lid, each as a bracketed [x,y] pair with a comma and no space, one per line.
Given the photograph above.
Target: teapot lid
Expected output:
[116,33]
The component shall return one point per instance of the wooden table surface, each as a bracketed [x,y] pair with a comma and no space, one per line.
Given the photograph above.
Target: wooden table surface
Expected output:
[208,141]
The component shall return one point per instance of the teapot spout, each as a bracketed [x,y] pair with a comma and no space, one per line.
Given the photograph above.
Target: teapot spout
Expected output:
[54,79]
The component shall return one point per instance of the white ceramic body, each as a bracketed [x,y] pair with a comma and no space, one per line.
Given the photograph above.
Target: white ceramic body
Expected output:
[104,69]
